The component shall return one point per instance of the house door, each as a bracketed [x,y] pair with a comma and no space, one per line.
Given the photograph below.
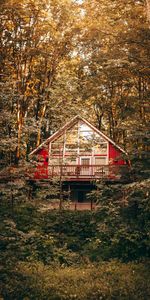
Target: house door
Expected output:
[85,166]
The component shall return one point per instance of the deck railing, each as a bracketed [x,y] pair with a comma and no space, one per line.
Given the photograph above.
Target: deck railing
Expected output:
[69,172]
[79,172]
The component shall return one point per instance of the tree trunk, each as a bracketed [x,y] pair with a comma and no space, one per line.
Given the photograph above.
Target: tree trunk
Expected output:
[40,125]
[148,9]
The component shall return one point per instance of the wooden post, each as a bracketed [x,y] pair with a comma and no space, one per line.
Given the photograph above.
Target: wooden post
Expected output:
[69,191]
[60,197]
[60,189]
[91,204]
[29,193]
[75,207]
[102,172]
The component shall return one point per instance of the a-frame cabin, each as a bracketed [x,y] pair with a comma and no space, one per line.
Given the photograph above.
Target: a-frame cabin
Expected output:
[79,154]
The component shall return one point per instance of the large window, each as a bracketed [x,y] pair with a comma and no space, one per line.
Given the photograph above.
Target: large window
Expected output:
[80,140]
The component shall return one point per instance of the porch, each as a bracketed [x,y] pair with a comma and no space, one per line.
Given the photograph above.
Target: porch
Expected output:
[82,172]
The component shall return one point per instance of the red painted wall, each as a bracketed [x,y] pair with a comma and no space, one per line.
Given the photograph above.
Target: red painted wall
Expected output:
[115,156]
[42,164]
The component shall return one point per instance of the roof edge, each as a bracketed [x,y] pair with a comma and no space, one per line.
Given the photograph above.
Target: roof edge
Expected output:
[54,134]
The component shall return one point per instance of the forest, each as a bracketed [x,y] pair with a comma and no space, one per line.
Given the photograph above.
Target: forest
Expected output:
[59,59]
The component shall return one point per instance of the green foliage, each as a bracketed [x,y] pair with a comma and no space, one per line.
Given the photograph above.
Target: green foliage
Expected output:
[115,230]
[122,222]
[41,251]
[49,237]
[46,190]
[111,280]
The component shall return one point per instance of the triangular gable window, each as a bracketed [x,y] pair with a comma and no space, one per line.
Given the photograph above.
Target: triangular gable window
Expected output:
[77,141]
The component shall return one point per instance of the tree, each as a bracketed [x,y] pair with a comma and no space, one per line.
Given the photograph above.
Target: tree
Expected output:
[35,38]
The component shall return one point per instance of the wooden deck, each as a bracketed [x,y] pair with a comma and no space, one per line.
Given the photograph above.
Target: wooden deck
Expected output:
[69,173]
[81,172]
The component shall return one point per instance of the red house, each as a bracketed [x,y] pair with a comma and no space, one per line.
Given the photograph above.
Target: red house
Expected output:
[79,154]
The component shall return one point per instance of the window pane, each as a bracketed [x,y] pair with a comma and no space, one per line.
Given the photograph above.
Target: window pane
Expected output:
[84,127]
[100,160]
[71,149]
[71,136]
[84,152]
[101,148]
[55,161]
[70,160]
[86,136]
[70,146]
[72,152]
[57,148]
[98,138]
[85,161]
[60,139]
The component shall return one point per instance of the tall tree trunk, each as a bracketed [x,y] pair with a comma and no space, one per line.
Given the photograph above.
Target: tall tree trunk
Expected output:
[148,9]
[40,125]
[19,121]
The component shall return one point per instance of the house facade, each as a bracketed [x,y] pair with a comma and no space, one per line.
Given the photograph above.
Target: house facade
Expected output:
[79,154]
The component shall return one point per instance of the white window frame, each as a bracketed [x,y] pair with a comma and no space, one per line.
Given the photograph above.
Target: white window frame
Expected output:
[102,156]
[86,158]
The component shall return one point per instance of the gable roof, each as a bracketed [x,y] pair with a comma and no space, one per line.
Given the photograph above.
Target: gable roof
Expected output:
[70,124]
